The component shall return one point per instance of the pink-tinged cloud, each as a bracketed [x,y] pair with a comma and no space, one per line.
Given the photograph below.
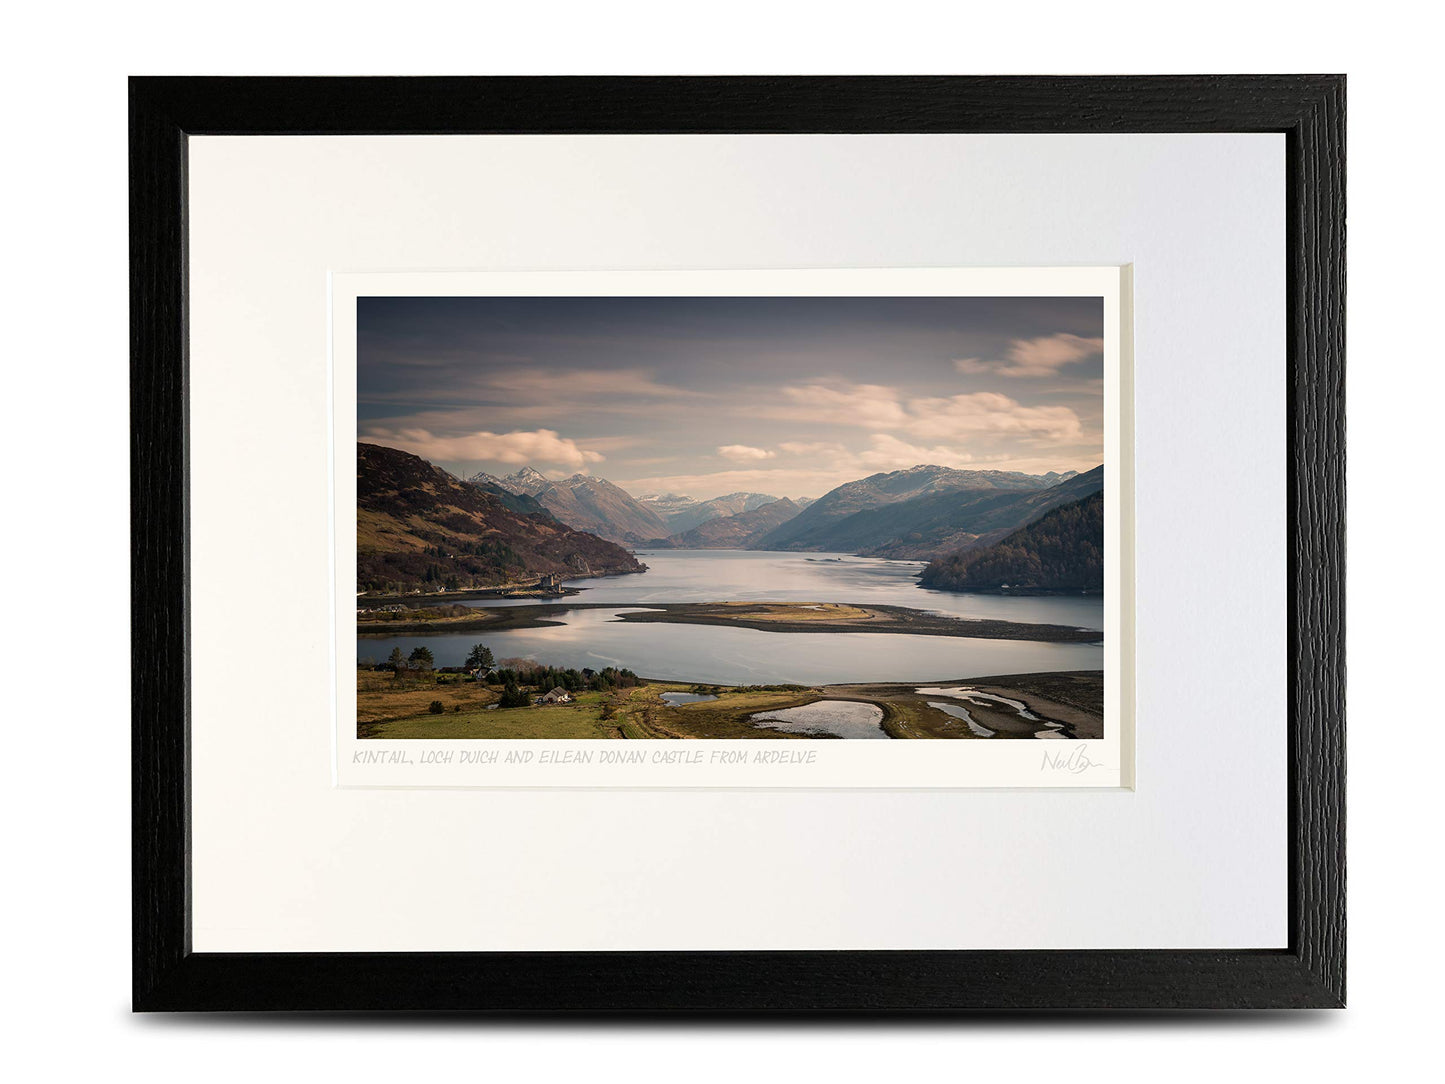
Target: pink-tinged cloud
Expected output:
[873,406]
[541,446]
[743,453]
[986,413]
[1043,356]
[955,419]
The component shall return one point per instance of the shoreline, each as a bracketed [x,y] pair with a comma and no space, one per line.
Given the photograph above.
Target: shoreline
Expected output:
[473,594]
[758,616]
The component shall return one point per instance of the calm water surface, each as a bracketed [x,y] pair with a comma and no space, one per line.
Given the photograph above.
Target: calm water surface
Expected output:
[705,653]
[836,718]
[686,698]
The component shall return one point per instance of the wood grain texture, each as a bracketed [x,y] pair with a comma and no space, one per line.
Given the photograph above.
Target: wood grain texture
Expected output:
[160,686]
[1308,110]
[1316,455]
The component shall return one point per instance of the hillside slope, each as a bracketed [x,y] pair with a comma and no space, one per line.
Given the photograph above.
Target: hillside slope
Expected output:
[1062,551]
[942,524]
[815,528]
[419,527]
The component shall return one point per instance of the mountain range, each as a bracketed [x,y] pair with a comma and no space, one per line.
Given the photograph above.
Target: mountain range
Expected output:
[740,531]
[1063,550]
[918,514]
[419,527]
[831,522]
[682,513]
[942,523]
[584,502]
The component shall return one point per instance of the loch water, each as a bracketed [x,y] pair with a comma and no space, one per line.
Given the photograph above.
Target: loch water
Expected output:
[712,654]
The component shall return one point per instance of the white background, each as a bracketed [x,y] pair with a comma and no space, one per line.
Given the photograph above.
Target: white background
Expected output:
[67,962]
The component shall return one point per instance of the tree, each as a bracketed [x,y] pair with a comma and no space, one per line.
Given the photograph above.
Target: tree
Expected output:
[513,697]
[395,660]
[436,707]
[422,657]
[480,658]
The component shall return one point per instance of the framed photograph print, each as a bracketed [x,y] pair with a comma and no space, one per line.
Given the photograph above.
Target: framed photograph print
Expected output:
[737,544]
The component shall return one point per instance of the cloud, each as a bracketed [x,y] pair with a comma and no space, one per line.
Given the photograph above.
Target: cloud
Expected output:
[800,447]
[986,413]
[526,388]
[885,453]
[743,453]
[515,448]
[1043,356]
[954,418]
[566,385]
[873,406]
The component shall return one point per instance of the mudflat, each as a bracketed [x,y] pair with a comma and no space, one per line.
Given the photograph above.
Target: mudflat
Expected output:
[763,616]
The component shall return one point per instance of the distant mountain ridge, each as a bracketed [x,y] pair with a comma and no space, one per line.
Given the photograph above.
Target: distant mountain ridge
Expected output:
[668,506]
[418,527]
[921,513]
[817,527]
[1061,551]
[736,532]
[944,523]
[584,502]
[682,513]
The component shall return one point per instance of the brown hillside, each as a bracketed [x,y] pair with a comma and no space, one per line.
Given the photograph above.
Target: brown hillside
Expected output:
[419,527]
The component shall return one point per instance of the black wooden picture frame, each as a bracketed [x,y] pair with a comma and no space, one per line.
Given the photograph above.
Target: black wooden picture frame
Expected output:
[1309,110]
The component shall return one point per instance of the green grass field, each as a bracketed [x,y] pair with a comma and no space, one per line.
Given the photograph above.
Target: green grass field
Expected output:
[386,708]
[390,708]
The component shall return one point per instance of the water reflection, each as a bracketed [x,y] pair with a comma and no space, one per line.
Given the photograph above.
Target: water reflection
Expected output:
[756,575]
[686,698]
[1046,728]
[835,718]
[962,713]
[736,656]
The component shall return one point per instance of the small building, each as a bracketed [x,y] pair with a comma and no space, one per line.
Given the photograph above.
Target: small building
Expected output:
[558,695]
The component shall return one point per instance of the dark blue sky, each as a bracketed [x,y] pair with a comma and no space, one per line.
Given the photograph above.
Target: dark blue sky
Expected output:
[789,396]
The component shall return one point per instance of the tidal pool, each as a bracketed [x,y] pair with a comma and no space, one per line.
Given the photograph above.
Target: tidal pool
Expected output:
[1045,728]
[834,718]
[686,698]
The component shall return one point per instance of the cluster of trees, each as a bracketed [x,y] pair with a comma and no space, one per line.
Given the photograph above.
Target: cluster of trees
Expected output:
[494,550]
[574,681]
[434,575]
[513,696]
[546,678]
[399,572]
[1062,551]
[420,658]
[517,675]
[514,675]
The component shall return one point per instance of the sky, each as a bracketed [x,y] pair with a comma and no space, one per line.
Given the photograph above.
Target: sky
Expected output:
[703,396]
